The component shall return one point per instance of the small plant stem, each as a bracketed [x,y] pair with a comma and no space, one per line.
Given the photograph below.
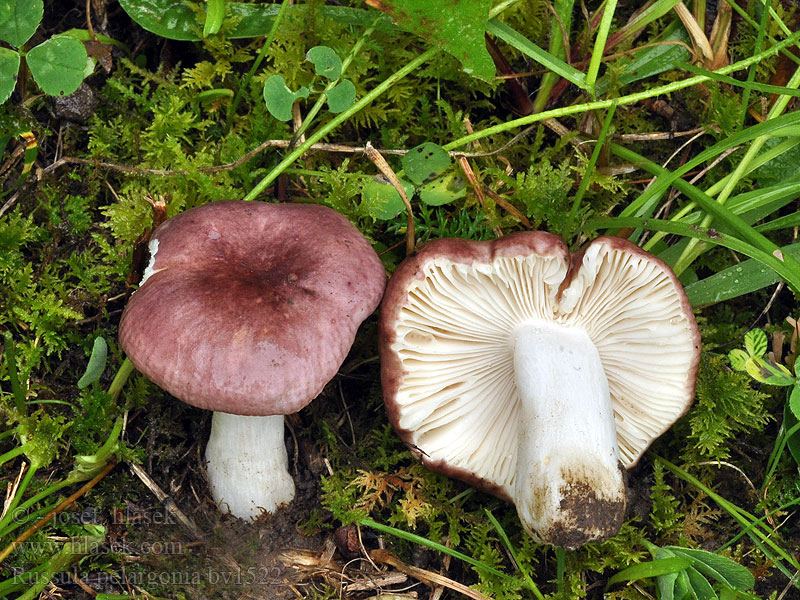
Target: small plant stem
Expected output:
[70,553]
[746,17]
[751,74]
[785,28]
[86,467]
[507,543]
[699,13]
[418,539]
[384,167]
[759,522]
[11,367]
[694,248]
[35,515]
[309,118]
[11,454]
[622,100]
[366,100]
[13,508]
[256,64]
[761,159]
[749,239]
[777,451]
[124,371]
[561,569]
[51,489]
[49,516]
[559,29]
[600,45]
[792,276]
[587,175]
[339,119]
[499,8]
[744,518]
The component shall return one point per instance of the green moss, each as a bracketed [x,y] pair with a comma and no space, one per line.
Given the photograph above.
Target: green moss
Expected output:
[726,406]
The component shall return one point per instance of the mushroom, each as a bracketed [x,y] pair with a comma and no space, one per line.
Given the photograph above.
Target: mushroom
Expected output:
[248,309]
[535,375]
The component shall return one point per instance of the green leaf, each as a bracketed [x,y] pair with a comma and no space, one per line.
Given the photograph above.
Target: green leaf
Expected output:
[9,66]
[650,61]
[748,276]
[750,85]
[443,189]
[682,586]
[755,342]
[96,365]
[738,359]
[666,586]
[424,162]
[700,586]
[794,400]
[652,568]
[175,20]
[326,62]
[19,20]
[780,168]
[381,200]
[215,94]
[718,567]
[58,65]
[341,96]
[790,421]
[455,26]
[547,60]
[279,98]
[215,14]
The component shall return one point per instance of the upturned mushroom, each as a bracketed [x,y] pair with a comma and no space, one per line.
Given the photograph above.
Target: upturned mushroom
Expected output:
[537,375]
[248,309]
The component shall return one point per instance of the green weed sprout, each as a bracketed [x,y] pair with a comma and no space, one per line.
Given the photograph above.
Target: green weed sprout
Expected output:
[58,64]
[683,573]
[754,361]
[338,93]
[39,435]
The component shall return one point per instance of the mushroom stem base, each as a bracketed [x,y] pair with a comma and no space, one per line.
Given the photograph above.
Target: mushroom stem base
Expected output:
[247,464]
[569,486]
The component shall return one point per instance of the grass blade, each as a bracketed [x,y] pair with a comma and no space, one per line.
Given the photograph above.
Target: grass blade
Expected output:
[781,267]
[744,278]
[418,539]
[600,45]
[504,538]
[527,47]
[651,568]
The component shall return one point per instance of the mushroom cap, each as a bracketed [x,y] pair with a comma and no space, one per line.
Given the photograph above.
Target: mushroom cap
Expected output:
[250,308]
[450,311]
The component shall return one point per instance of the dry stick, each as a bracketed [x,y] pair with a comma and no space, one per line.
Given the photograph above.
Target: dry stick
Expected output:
[167,501]
[473,180]
[89,26]
[788,586]
[11,489]
[508,207]
[327,147]
[429,578]
[477,188]
[45,519]
[387,171]
[83,585]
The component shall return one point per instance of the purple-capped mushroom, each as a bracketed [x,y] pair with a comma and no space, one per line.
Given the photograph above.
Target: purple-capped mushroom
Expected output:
[248,309]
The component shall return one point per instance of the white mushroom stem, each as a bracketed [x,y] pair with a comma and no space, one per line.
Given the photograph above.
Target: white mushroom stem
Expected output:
[247,464]
[569,485]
